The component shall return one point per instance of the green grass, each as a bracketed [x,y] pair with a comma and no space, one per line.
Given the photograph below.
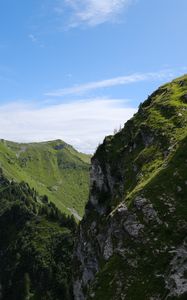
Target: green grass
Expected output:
[52,168]
[162,119]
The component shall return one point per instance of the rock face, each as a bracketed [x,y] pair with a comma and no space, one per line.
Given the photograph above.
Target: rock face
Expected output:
[132,240]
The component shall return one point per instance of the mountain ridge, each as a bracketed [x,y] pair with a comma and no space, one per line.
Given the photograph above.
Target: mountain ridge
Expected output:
[132,239]
[131,243]
[53,168]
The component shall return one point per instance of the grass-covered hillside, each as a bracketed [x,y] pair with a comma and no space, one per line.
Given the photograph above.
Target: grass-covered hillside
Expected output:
[142,148]
[36,244]
[135,226]
[52,168]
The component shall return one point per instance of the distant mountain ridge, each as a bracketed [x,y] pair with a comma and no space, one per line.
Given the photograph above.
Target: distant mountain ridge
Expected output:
[53,168]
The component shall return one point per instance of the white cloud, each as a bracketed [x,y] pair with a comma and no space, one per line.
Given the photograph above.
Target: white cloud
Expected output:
[95,12]
[83,124]
[33,38]
[122,80]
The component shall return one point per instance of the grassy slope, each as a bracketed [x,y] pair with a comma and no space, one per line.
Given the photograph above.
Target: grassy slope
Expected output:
[52,168]
[162,118]
[157,172]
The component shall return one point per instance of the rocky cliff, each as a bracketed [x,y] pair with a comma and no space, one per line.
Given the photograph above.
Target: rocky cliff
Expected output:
[132,240]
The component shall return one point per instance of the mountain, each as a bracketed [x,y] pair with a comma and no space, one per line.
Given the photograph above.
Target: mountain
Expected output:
[52,168]
[36,245]
[41,185]
[131,243]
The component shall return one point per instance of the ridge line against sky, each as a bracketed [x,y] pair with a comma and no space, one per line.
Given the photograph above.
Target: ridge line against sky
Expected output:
[77,69]
[82,123]
[116,81]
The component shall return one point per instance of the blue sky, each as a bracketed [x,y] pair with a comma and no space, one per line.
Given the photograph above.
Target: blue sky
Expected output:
[77,69]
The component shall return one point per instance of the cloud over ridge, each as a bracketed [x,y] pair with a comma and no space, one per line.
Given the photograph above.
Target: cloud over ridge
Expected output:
[82,124]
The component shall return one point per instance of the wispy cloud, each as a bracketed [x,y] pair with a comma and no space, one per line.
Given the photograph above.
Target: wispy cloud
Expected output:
[83,124]
[116,81]
[33,38]
[93,12]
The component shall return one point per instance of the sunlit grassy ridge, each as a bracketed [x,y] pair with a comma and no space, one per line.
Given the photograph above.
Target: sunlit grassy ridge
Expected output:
[141,148]
[53,168]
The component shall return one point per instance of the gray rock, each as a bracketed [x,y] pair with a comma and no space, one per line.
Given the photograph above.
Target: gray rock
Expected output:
[108,248]
[132,227]
[176,280]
